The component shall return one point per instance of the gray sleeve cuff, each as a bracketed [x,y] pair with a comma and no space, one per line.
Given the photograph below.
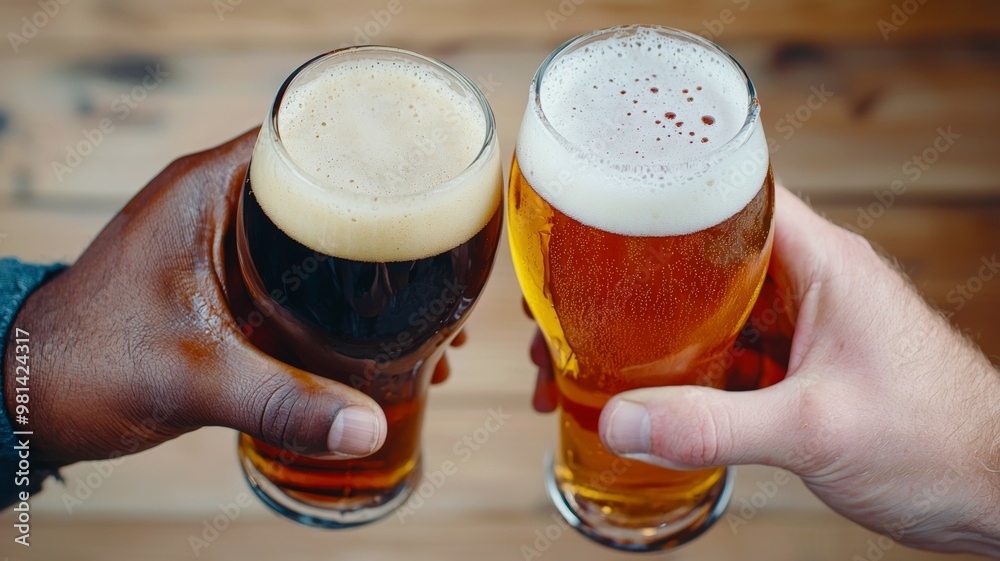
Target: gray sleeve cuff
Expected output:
[17,281]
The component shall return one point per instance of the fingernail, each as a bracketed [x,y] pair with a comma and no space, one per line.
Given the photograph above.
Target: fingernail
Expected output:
[627,431]
[355,431]
[656,461]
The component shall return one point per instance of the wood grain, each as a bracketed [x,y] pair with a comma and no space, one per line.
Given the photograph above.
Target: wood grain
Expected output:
[454,24]
[151,503]
[498,537]
[891,96]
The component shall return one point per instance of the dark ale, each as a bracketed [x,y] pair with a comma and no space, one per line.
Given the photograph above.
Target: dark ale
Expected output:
[367,228]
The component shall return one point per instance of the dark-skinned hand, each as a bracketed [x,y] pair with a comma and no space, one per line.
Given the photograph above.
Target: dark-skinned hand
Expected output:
[134,344]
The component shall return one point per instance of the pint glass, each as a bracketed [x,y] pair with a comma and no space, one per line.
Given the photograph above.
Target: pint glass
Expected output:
[639,216]
[367,228]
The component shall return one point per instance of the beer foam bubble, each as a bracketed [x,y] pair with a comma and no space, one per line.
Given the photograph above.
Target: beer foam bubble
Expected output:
[630,133]
[374,162]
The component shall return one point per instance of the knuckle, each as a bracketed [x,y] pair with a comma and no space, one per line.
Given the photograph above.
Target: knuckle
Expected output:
[181,165]
[700,444]
[855,249]
[822,432]
[282,408]
[844,254]
[854,241]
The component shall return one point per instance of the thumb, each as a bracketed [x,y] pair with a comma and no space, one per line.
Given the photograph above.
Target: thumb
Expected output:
[292,409]
[692,427]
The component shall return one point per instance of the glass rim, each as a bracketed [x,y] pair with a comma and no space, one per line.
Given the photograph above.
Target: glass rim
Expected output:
[488,143]
[719,153]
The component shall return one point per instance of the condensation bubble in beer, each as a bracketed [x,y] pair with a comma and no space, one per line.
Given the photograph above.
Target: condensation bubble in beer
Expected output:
[379,153]
[643,124]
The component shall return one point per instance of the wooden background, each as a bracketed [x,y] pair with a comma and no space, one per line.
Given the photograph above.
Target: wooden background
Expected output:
[894,89]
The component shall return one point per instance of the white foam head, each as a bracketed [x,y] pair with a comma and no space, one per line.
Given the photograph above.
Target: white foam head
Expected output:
[643,131]
[383,156]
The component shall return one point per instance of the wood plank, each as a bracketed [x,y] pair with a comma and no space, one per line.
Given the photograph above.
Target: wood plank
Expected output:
[888,107]
[189,477]
[496,495]
[939,70]
[191,24]
[942,247]
[484,538]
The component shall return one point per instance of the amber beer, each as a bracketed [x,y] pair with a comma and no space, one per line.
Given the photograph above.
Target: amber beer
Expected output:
[367,229]
[639,214]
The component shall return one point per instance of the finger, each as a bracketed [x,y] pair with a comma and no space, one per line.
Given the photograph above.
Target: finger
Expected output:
[809,252]
[290,408]
[227,161]
[771,315]
[459,339]
[441,371]
[760,353]
[546,396]
[801,244]
[271,401]
[745,373]
[208,183]
[685,427]
[774,363]
[758,366]
[526,308]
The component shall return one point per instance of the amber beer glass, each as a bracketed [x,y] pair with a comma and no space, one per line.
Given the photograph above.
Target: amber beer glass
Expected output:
[367,229]
[639,217]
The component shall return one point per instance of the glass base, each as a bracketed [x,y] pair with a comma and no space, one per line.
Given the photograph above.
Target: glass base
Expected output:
[309,514]
[667,535]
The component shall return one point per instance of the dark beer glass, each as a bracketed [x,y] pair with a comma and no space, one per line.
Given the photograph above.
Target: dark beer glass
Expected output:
[367,229]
